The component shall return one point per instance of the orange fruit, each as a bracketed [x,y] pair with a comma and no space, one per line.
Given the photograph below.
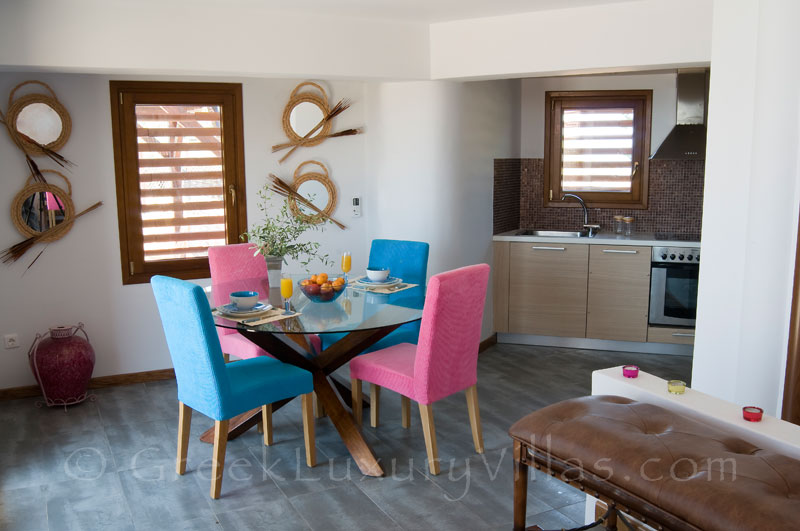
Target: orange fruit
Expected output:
[323,277]
[313,279]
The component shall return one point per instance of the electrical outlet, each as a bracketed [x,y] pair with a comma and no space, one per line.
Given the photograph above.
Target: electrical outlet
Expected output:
[11,341]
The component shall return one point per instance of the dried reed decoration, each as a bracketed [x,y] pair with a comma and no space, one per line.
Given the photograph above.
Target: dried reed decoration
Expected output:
[322,130]
[324,179]
[15,252]
[15,106]
[63,198]
[283,189]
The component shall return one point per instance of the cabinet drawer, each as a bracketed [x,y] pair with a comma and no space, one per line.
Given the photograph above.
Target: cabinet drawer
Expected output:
[547,289]
[619,292]
[662,334]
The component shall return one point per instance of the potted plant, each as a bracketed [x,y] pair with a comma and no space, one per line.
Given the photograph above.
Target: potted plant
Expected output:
[277,238]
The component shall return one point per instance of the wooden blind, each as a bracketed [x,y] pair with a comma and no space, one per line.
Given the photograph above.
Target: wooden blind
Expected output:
[181,180]
[597,150]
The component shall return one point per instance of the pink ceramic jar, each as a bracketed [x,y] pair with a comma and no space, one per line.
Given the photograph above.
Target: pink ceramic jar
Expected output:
[62,363]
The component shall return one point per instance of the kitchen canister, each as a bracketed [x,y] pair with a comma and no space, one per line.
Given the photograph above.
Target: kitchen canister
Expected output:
[619,225]
[62,363]
[628,222]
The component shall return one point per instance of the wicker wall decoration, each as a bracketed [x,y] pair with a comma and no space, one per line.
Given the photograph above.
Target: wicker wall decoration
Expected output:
[317,186]
[36,120]
[303,112]
[43,210]
[307,118]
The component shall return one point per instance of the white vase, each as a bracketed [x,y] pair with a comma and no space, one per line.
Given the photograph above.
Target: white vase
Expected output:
[274,265]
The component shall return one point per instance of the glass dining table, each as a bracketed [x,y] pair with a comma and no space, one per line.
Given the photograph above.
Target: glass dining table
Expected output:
[360,318]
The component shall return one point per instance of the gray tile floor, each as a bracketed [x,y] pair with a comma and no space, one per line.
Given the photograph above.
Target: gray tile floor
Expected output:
[109,464]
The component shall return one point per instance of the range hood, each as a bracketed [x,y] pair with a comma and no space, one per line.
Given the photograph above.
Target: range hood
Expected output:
[687,140]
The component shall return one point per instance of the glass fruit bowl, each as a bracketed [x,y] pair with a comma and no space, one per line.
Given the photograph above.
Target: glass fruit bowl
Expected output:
[325,292]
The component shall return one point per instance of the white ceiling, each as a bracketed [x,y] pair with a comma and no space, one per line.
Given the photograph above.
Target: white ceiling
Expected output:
[425,11]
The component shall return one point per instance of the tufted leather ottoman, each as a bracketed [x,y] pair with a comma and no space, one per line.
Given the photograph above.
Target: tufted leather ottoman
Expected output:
[663,468]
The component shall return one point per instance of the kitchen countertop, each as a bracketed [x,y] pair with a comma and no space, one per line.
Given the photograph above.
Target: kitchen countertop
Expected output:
[603,238]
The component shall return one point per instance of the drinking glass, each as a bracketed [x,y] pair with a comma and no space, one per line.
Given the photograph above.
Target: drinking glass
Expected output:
[287,289]
[346,262]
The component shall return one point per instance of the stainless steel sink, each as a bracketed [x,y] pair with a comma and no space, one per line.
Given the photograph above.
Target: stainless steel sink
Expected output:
[551,233]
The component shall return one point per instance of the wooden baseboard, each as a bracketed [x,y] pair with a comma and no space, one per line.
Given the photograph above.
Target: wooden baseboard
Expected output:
[487,343]
[28,391]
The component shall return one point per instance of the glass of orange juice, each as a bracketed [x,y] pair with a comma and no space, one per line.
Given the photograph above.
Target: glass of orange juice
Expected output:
[346,263]
[287,289]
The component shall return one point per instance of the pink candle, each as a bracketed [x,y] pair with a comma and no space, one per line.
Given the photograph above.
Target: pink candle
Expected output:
[630,371]
[752,413]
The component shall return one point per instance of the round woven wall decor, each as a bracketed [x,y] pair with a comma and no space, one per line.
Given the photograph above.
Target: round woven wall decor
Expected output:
[295,99]
[64,197]
[300,178]
[15,107]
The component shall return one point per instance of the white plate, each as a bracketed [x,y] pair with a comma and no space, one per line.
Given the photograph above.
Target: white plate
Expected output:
[391,281]
[230,309]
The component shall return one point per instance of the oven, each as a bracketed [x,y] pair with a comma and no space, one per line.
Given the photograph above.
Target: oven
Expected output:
[673,286]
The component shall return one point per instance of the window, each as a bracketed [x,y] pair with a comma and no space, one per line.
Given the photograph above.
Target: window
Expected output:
[179,157]
[597,145]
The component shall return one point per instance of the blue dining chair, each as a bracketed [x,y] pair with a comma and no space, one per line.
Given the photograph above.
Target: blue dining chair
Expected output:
[216,389]
[407,260]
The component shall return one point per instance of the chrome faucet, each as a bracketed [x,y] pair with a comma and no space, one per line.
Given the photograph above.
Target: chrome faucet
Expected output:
[592,228]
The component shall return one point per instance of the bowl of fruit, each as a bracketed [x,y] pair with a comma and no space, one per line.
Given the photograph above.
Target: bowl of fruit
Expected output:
[320,288]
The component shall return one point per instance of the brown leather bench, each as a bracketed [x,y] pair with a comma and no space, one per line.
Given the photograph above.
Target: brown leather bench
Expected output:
[662,468]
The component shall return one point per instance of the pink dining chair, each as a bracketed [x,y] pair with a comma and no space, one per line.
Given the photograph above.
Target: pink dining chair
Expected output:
[445,361]
[236,265]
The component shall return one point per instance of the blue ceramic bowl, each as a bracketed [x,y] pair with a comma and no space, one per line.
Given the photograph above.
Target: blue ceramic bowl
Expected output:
[244,300]
[316,294]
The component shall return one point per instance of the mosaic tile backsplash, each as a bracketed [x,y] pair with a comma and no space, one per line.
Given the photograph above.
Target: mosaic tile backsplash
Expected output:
[675,203]
[506,195]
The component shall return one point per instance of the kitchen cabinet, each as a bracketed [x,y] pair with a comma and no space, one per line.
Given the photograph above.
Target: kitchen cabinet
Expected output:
[618,293]
[547,286]
[664,334]
[500,279]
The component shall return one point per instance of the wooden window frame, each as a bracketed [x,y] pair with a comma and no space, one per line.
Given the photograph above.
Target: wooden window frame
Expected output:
[642,102]
[124,97]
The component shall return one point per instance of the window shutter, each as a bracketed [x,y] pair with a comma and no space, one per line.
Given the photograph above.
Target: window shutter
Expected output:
[597,149]
[181,180]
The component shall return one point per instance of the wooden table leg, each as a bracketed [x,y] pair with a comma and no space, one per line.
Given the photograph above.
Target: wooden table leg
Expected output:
[343,422]
[520,488]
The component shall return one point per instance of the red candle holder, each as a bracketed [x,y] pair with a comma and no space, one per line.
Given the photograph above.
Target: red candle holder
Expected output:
[630,371]
[752,413]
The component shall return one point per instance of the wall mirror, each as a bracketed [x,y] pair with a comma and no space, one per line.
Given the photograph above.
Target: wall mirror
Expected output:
[40,117]
[304,117]
[307,107]
[39,207]
[317,187]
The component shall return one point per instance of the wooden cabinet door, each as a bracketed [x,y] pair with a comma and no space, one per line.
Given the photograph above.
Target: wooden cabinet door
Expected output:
[500,285]
[547,289]
[619,292]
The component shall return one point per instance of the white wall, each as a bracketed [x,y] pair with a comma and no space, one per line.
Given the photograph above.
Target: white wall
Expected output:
[213,38]
[79,277]
[751,200]
[533,103]
[431,154]
[620,37]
